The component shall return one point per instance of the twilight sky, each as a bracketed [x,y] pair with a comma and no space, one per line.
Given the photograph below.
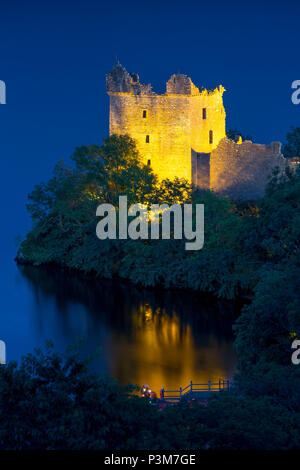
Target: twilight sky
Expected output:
[54,57]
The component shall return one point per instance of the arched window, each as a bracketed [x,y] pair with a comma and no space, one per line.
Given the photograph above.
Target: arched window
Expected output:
[149,162]
[203,113]
[147,139]
[144,113]
[211,137]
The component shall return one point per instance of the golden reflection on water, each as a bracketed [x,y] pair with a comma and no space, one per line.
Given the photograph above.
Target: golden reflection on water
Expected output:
[162,338]
[162,352]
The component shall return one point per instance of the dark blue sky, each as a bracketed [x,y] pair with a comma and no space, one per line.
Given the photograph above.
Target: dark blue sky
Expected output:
[54,57]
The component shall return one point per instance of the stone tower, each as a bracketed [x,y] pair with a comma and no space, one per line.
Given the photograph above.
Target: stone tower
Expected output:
[176,131]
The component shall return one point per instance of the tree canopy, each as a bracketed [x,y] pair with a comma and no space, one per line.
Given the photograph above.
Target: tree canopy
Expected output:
[251,250]
[52,401]
[292,146]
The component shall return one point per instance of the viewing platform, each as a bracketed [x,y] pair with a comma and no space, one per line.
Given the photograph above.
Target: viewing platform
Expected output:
[196,391]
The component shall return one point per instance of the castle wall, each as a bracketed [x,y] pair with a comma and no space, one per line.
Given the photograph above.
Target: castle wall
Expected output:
[182,134]
[170,128]
[212,103]
[241,171]
[201,170]
[167,123]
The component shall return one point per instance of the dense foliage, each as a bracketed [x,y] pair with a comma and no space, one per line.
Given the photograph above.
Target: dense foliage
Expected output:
[64,222]
[270,323]
[52,401]
[250,249]
[292,147]
[233,133]
[241,241]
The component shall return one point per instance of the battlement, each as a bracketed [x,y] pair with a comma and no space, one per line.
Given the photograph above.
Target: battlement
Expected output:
[181,84]
[120,81]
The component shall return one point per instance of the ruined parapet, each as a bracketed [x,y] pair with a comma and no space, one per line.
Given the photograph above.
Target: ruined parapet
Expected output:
[181,85]
[118,80]
[242,170]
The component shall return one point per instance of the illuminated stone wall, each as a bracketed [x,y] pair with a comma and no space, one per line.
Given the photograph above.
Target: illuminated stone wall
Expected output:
[167,125]
[212,103]
[170,129]
[181,133]
[241,171]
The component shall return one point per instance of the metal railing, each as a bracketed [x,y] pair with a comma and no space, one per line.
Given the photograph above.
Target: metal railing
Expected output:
[194,390]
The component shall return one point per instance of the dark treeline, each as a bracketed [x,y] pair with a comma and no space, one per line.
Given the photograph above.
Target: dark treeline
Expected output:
[52,401]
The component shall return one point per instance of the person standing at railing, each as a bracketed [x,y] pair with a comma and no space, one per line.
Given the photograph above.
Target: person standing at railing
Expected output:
[162,393]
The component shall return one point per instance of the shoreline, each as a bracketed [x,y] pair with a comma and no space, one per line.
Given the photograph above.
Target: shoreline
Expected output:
[239,301]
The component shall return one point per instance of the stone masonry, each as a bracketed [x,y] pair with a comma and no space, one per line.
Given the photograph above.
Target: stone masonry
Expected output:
[168,127]
[181,133]
[242,171]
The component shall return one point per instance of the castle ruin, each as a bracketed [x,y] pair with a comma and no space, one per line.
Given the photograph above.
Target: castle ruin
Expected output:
[181,133]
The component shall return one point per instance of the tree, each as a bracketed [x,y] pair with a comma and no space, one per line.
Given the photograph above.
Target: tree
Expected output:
[292,147]
[232,133]
[52,401]
[270,323]
[125,171]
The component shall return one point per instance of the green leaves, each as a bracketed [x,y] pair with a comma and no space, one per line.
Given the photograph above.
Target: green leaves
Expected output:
[249,249]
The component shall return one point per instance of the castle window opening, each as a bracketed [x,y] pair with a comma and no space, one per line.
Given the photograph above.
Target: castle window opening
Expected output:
[144,114]
[211,137]
[203,113]
[149,162]
[147,139]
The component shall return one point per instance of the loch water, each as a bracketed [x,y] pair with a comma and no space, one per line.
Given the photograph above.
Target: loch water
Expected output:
[162,338]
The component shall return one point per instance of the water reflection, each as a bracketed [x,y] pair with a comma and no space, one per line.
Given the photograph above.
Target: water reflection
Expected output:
[146,336]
